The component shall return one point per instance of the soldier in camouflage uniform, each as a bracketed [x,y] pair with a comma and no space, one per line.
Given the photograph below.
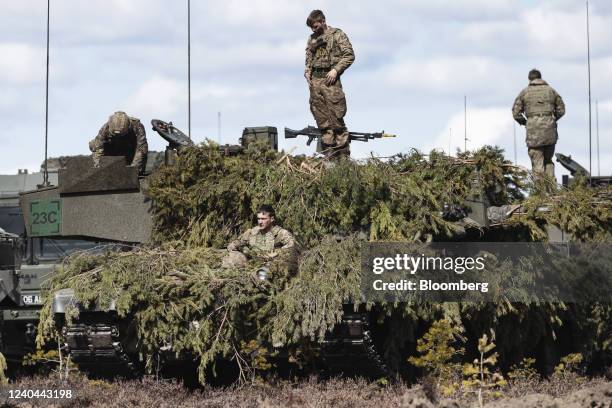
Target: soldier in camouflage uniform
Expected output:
[122,135]
[266,240]
[539,107]
[328,54]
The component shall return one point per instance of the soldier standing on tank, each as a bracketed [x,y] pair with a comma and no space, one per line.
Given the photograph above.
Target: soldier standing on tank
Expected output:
[539,107]
[266,240]
[122,135]
[328,54]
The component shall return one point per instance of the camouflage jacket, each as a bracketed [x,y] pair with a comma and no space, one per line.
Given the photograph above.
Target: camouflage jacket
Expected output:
[253,241]
[132,145]
[543,107]
[330,50]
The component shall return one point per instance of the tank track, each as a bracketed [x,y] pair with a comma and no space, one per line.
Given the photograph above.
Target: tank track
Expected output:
[97,345]
[350,350]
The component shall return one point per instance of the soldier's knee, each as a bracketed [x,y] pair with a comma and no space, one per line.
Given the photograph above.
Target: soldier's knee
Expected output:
[234,259]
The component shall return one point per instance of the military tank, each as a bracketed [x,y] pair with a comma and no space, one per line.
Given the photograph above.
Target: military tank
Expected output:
[107,207]
[85,208]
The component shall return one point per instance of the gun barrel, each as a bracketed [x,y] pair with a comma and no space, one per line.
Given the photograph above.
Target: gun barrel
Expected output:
[291,134]
[363,136]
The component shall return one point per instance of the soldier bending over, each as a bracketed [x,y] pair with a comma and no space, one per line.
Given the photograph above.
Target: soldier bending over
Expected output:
[122,135]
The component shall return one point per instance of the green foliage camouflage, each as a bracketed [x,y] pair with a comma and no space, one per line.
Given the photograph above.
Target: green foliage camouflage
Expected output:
[206,199]
[176,293]
[181,297]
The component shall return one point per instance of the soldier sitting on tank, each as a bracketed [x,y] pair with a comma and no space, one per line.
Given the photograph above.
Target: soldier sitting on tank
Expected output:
[267,240]
[122,135]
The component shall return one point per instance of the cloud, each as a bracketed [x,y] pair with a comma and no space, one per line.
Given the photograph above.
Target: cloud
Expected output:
[273,56]
[157,97]
[485,126]
[605,106]
[415,61]
[257,13]
[446,74]
[544,31]
[21,63]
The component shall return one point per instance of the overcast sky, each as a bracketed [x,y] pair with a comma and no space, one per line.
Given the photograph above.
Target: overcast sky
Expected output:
[415,61]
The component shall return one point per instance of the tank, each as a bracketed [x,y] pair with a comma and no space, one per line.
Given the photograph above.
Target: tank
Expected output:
[107,207]
[85,208]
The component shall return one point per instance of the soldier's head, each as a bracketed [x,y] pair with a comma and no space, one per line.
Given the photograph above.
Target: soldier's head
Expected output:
[316,21]
[265,217]
[534,74]
[118,123]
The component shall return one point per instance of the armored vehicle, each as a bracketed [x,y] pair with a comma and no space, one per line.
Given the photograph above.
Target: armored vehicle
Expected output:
[84,208]
[108,206]
[26,261]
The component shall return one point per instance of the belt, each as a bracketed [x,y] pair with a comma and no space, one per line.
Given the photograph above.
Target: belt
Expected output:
[540,114]
[320,72]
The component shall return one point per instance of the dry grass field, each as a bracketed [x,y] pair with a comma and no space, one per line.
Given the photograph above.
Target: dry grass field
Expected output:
[335,393]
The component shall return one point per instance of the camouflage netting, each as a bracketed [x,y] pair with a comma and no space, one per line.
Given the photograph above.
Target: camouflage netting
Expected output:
[178,295]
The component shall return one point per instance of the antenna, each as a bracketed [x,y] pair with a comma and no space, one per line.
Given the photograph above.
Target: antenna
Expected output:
[589,73]
[597,135]
[465,139]
[219,127]
[189,69]
[46,171]
[450,136]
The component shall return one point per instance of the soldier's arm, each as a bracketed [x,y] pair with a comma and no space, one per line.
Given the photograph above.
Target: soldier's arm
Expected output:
[518,109]
[241,242]
[142,148]
[285,239]
[559,107]
[346,51]
[96,146]
[307,70]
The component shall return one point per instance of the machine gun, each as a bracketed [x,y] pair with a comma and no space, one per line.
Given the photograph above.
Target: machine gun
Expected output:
[315,133]
[573,167]
[576,169]
[175,138]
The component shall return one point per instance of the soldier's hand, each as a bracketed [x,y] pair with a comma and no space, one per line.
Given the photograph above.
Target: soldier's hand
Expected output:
[270,256]
[331,77]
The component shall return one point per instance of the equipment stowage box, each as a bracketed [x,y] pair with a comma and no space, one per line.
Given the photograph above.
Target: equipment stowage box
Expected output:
[267,133]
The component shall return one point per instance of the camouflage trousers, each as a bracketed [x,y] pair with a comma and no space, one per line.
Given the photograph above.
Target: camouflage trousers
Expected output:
[234,259]
[541,160]
[328,106]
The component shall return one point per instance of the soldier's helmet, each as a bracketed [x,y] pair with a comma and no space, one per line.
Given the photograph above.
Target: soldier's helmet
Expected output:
[118,123]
